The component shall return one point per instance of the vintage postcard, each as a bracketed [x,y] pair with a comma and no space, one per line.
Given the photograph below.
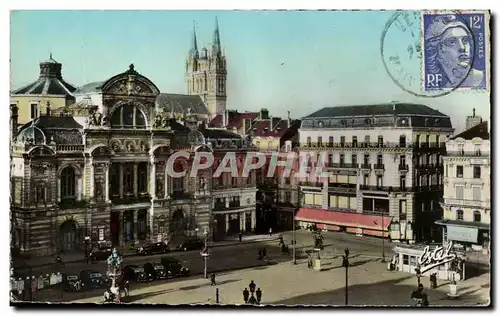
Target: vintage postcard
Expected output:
[251,158]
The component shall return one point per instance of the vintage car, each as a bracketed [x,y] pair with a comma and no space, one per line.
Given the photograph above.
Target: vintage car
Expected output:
[100,253]
[191,244]
[157,270]
[174,266]
[135,273]
[153,248]
[71,283]
[92,279]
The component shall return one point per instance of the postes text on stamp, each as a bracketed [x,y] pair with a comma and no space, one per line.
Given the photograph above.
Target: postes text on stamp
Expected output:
[455,50]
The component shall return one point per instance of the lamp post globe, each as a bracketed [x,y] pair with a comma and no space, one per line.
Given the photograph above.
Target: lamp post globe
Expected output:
[246,295]
[258,293]
[252,286]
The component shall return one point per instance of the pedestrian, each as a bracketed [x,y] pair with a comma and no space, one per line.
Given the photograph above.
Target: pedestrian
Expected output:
[240,236]
[212,279]
[270,231]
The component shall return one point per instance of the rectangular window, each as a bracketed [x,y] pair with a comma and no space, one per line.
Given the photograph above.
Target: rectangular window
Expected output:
[365,179]
[354,159]
[459,192]
[366,159]
[330,141]
[379,181]
[142,174]
[367,139]
[460,171]
[309,141]
[402,209]
[405,259]
[381,141]
[355,141]
[128,178]
[288,197]
[402,182]
[476,193]
[460,215]
[114,180]
[320,141]
[380,160]
[234,182]
[477,172]
[330,158]
[402,160]
[342,159]
[34,110]
[342,141]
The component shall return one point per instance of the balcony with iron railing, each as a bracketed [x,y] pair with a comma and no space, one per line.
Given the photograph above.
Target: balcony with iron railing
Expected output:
[462,153]
[403,167]
[342,165]
[131,198]
[379,166]
[310,184]
[468,203]
[440,145]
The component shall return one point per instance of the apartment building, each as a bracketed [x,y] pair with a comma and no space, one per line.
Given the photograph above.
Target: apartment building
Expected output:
[385,165]
[467,189]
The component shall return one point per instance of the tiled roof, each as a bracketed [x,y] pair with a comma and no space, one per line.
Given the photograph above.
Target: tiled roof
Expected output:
[60,129]
[218,133]
[376,109]
[181,103]
[235,119]
[45,86]
[480,130]
[274,127]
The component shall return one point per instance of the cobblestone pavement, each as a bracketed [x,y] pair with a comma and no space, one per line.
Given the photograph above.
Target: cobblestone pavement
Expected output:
[288,284]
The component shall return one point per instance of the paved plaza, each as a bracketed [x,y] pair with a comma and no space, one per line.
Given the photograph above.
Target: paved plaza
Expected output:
[288,284]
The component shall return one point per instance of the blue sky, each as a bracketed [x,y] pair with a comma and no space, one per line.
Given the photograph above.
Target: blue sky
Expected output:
[329,58]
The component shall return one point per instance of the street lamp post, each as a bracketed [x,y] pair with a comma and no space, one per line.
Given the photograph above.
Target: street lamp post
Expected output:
[204,254]
[293,224]
[345,263]
[383,239]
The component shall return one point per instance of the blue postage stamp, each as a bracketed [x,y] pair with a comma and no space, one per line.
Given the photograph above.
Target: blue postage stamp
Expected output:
[455,50]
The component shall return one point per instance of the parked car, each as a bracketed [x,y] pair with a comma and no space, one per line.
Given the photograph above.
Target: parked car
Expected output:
[71,283]
[157,270]
[100,253]
[174,266]
[192,244]
[92,279]
[153,248]
[134,273]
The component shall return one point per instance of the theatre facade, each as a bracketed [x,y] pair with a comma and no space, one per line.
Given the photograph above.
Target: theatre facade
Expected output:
[97,169]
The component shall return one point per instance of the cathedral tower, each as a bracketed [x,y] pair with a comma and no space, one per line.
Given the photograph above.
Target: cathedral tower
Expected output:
[206,73]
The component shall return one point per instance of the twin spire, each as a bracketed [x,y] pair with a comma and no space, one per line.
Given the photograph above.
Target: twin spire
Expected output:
[216,47]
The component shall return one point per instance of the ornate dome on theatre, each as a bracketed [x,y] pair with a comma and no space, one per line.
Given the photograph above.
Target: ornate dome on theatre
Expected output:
[51,129]
[49,82]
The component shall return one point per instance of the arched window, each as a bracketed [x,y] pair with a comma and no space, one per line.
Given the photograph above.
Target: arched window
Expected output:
[68,183]
[128,116]
[477,216]
[460,215]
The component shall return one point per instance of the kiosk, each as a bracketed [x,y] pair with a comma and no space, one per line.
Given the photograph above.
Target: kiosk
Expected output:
[430,259]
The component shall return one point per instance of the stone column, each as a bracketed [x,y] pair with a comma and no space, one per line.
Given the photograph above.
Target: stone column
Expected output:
[253,220]
[91,179]
[152,178]
[373,205]
[120,175]
[166,183]
[135,225]
[58,189]
[135,178]
[227,222]
[106,183]
[121,230]
[79,182]
[244,221]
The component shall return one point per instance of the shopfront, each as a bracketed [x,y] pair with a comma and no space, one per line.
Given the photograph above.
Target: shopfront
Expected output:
[465,236]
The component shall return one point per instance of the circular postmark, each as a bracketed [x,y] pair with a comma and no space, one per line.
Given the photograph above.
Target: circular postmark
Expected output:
[412,50]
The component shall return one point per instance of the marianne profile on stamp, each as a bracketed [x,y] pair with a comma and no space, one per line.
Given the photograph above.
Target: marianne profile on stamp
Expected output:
[449,50]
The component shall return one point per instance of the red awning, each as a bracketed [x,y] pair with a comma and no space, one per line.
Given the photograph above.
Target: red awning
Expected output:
[343,218]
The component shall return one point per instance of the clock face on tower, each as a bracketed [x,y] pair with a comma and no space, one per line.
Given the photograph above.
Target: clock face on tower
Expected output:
[196,138]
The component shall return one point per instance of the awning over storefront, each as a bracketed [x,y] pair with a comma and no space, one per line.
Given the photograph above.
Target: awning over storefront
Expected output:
[346,219]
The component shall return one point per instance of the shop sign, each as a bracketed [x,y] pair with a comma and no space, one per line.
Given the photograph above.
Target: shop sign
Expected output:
[439,256]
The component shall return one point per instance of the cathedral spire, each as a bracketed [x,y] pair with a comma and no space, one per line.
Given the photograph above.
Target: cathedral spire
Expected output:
[216,40]
[194,44]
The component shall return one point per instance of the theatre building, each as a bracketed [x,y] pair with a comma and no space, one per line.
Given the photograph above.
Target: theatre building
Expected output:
[385,164]
[98,168]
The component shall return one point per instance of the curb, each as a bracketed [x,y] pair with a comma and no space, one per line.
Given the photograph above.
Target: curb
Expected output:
[232,243]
